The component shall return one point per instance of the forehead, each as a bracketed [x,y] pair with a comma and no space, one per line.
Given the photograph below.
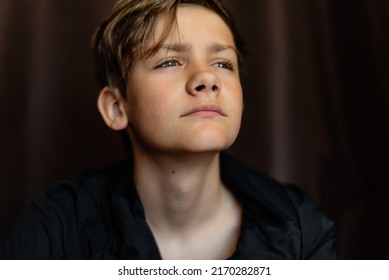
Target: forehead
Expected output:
[194,23]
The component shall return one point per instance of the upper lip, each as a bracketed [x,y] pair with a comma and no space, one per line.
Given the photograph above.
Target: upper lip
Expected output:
[204,108]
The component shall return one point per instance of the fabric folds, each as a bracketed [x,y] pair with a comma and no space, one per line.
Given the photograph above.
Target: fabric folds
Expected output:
[101,216]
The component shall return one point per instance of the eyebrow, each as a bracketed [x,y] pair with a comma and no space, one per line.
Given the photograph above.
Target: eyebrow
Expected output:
[177,47]
[215,48]
[182,47]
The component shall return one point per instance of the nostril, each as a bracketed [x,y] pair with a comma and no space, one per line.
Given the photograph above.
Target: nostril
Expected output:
[200,88]
[214,88]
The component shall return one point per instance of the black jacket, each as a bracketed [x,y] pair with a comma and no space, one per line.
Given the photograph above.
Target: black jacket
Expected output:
[101,216]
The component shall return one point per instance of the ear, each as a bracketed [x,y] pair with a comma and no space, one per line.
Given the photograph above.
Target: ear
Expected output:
[111,106]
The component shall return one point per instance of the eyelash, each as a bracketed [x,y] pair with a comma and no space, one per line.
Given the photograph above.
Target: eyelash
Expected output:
[166,63]
[229,65]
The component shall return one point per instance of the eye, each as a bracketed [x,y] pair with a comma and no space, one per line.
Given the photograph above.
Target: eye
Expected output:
[226,64]
[168,63]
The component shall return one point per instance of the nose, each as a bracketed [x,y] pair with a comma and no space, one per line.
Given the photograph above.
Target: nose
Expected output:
[203,81]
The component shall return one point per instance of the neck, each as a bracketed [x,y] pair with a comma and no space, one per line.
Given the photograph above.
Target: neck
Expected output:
[179,192]
[190,212]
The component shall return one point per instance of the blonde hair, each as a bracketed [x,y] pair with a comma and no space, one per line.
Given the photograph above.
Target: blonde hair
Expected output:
[125,35]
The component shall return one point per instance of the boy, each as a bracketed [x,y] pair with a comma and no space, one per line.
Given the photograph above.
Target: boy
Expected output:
[169,76]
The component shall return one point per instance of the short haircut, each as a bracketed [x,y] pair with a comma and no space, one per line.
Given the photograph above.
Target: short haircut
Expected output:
[126,34]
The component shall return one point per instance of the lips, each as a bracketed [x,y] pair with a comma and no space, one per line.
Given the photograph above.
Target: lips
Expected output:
[205,110]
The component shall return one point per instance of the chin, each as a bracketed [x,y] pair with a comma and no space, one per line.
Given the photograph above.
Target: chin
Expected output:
[211,142]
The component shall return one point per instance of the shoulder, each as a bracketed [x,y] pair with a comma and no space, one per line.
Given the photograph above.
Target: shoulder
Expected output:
[317,230]
[38,231]
[56,225]
[281,208]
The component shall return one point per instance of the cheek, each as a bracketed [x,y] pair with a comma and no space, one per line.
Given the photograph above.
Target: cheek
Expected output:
[235,98]
[236,103]
[150,110]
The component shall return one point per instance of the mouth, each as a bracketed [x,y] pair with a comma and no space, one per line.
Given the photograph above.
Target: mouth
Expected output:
[205,110]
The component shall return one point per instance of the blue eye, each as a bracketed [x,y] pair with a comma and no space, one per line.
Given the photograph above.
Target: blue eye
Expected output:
[224,64]
[168,63]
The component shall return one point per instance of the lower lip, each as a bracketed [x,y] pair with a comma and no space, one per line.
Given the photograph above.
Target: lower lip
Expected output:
[205,114]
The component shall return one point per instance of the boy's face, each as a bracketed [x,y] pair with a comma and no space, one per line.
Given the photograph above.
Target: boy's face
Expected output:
[187,97]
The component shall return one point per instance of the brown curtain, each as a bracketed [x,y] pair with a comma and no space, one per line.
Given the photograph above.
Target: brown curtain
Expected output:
[316,105]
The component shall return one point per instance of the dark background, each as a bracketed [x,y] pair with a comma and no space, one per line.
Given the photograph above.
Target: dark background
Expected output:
[316,105]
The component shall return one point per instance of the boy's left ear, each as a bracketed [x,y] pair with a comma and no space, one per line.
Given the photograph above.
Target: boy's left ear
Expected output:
[111,107]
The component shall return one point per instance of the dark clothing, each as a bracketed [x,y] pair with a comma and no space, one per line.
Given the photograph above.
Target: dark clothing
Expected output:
[101,216]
